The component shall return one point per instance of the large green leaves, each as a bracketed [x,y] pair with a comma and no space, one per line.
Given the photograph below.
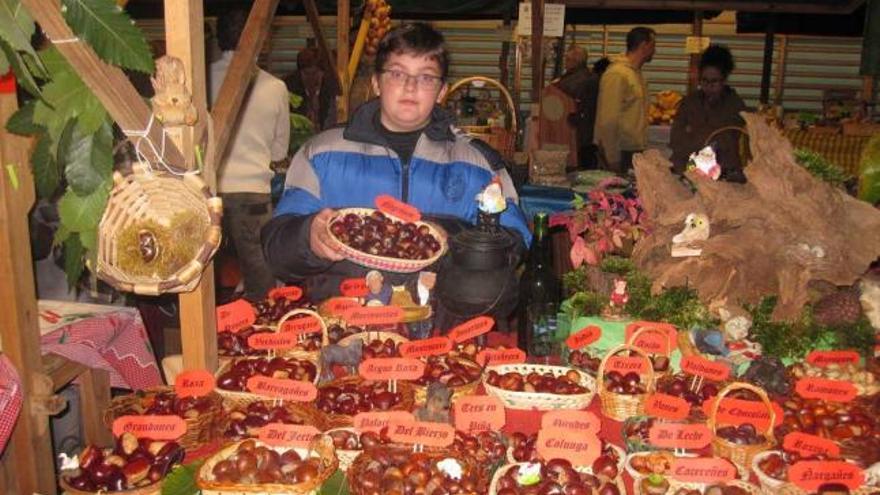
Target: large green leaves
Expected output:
[110,31]
[87,158]
[47,174]
[16,26]
[74,254]
[22,121]
[66,97]
[16,60]
[82,213]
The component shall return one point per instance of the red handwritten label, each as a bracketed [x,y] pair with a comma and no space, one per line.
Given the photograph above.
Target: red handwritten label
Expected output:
[810,475]
[427,347]
[825,389]
[488,357]
[626,364]
[703,470]
[700,366]
[738,411]
[474,413]
[561,444]
[154,427]
[576,422]
[397,208]
[679,436]
[288,435]
[354,287]
[810,445]
[337,306]
[302,325]
[391,369]
[272,340]
[290,292]
[471,328]
[279,388]
[235,316]
[376,420]
[422,433]
[194,383]
[373,315]
[584,337]
[651,340]
[824,358]
[667,406]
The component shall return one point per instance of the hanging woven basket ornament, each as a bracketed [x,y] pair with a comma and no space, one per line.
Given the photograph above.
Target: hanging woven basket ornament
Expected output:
[158,233]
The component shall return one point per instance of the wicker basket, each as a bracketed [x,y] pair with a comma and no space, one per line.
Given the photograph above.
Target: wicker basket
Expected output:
[369,336]
[154,489]
[205,477]
[307,414]
[773,486]
[638,476]
[541,401]
[740,455]
[382,262]
[459,391]
[499,473]
[405,389]
[367,457]
[621,458]
[199,430]
[669,349]
[749,488]
[233,398]
[346,457]
[619,407]
[501,139]
[299,353]
[158,198]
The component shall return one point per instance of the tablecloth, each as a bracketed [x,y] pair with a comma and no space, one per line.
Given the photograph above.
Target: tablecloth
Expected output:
[843,151]
[10,399]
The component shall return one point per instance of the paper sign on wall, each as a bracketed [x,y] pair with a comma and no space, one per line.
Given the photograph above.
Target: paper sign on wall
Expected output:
[397,208]
[288,435]
[152,426]
[583,337]
[280,388]
[428,347]
[422,433]
[580,450]
[290,292]
[376,420]
[696,44]
[471,328]
[354,287]
[554,19]
[381,369]
[235,316]
[489,357]
[474,413]
[193,383]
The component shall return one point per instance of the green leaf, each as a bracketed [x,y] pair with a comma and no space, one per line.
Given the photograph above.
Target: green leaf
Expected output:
[67,97]
[4,63]
[110,31]
[88,160]
[181,480]
[23,75]
[16,26]
[335,485]
[22,121]
[47,174]
[82,213]
[73,259]
[869,172]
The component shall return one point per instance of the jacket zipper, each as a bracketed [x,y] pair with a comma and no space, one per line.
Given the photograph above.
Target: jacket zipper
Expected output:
[404,189]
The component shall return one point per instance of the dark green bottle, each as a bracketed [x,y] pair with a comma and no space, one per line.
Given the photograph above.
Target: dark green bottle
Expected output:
[540,295]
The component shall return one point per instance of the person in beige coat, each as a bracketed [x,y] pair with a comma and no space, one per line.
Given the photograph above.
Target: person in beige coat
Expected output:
[622,112]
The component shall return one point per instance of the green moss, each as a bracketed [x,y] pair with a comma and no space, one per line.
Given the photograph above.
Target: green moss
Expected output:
[617,265]
[821,168]
[585,303]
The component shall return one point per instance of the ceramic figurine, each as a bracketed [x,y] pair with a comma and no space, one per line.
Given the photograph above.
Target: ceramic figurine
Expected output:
[736,324]
[379,292]
[617,301]
[490,203]
[437,403]
[348,356]
[705,163]
[172,102]
[687,242]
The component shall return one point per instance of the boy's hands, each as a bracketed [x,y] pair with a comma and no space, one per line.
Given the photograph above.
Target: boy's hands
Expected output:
[319,240]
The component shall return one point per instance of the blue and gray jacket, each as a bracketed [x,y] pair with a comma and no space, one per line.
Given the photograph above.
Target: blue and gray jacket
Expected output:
[349,167]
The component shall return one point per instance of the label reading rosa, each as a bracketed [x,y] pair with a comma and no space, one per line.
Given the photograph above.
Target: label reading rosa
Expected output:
[354,287]
[810,445]
[475,413]
[824,358]
[679,436]
[738,411]
[288,435]
[578,450]
[376,420]
[373,315]
[280,340]
[700,366]
[337,306]
[576,422]
[194,383]
[394,207]
[471,328]
[584,337]
[652,341]
[235,316]
[810,475]
[422,433]
[391,369]
[290,292]
[302,325]
[279,388]
[627,364]
[667,406]
[488,357]
[427,347]
[703,470]
[154,427]
[825,389]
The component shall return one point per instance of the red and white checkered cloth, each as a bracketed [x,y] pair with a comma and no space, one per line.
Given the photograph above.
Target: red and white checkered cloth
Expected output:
[10,399]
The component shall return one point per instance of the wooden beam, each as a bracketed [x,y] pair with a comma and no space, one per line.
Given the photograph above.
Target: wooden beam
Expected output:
[30,468]
[107,82]
[779,81]
[323,48]
[504,58]
[94,392]
[814,7]
[358,49]
[694,59]
[767,66]
[343,24]
[241,70]
[537,50]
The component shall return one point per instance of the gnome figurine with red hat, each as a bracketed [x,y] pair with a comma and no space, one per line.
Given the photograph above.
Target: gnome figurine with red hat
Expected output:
[491,203]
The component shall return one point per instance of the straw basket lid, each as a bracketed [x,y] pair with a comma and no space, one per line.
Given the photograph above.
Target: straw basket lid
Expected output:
[158,232]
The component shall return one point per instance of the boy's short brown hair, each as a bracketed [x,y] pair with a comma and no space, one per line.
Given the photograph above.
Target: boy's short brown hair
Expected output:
[417,38]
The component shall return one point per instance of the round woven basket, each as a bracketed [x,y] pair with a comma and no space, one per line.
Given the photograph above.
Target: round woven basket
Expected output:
[200,429]
[205,476]
[749,488]
[381,262]
[346,457]
[306,414]
[499,473]
[537,400]
[157,198]
[773,486]
[299,353]
[369,336]
[357,468]
[503,140]
[154,489]
[659,331]
[404,388]
[459,391]
[637,476]
[740,455]
[619,407]
[233,398]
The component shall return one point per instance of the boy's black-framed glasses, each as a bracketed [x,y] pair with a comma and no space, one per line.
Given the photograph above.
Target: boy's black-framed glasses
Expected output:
[423,81]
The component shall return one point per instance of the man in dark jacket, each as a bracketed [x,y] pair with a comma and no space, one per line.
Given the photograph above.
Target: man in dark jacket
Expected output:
[582,86]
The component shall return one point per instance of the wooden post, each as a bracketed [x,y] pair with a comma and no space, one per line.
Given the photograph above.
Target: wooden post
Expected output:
[537,51]
[28,464]
[323,48]
[185,39]
[868,88]
[693,65]
[343,24]
[605,38]
[504,58]
[768,59]
[779,82]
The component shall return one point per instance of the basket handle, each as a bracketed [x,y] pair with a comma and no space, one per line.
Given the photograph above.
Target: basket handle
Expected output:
[600,373]
[507,98]
[713,417]
[325,339]
[654,329]
[720,130]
